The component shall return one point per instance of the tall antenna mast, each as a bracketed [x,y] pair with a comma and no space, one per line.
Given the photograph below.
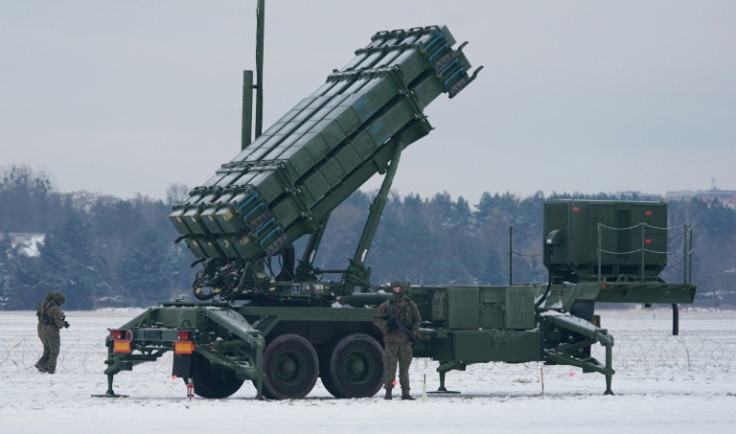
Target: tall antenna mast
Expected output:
[249,87]
[259,66]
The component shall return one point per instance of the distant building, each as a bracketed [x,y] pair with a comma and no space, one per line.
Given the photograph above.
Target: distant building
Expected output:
[638,195]
[726,197]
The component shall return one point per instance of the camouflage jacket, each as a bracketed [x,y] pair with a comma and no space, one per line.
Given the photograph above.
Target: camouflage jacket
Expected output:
[405,310]
[50,313]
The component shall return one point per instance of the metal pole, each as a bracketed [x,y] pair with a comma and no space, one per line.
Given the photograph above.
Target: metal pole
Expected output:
[599,252]
[259,66]
[675,320]
[690,255]
[684,253]
[643,247]
[511,255]
[247,122]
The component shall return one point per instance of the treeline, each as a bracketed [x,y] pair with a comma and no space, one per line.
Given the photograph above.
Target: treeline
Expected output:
[105,251]
[98,250]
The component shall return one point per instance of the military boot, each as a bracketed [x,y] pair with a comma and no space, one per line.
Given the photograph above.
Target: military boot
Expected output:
[388,394]
[406,396]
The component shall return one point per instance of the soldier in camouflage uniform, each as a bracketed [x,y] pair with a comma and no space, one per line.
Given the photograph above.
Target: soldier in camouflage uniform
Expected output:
[50,320]
[397,344]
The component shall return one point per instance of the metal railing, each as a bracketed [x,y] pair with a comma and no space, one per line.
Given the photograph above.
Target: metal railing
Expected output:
[686,250]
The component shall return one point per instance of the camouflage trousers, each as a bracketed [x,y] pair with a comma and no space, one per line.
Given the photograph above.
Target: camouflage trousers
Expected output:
[392,354]
[51,341]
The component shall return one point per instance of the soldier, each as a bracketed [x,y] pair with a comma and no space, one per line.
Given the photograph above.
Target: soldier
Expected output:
[391,314]
[50,320]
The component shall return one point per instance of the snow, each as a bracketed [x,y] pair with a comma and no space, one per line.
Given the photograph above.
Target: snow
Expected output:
[28,243]
[663,383]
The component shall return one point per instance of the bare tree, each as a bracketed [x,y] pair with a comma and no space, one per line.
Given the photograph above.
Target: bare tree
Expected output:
[176,193]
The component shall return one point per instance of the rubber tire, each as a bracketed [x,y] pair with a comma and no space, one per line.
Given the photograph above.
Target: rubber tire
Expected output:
[355,367]
[290,366]
[213,381]
[324,368]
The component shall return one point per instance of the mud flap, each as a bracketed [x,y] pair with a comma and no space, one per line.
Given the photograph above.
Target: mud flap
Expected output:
[182,366]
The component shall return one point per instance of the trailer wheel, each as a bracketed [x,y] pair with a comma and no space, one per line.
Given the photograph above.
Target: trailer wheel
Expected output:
[291,367]
[324,368]
[355,367]
[213,381]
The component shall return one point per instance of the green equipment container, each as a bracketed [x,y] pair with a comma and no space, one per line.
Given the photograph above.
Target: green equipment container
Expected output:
[605,239]
[484,307]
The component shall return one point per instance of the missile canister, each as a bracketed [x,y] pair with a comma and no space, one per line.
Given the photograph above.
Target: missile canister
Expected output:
[288,180]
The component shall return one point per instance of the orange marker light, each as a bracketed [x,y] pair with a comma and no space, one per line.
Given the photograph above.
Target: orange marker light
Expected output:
[183,347]
[121,347]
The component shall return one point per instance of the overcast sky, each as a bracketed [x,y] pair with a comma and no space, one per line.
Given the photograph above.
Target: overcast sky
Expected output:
[127,97]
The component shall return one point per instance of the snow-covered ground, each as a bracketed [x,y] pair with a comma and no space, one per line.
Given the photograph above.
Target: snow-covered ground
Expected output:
[663,383]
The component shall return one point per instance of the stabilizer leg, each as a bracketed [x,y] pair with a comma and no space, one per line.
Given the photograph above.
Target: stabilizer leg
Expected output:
[110,393]
[442,369]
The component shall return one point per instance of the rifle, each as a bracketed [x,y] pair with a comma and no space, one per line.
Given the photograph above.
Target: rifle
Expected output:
[392,320]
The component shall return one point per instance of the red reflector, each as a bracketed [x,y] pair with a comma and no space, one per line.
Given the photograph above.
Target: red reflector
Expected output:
[120,335]
[183,347]
[576,208]
[183,335]
[648,213]
[121,347]
[648,241]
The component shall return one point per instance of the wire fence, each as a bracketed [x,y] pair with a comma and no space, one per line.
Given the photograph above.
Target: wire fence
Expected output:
[78,355]
[674,352]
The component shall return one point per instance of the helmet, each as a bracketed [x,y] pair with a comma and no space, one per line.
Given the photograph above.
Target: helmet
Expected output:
[59,298]
[397,284]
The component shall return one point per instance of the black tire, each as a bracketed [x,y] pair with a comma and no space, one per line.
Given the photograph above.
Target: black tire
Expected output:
[291,367]
[324,368]
[355,367]
[213,381]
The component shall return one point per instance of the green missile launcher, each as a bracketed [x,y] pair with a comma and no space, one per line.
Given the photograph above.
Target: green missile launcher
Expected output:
[287,181]
[284,331]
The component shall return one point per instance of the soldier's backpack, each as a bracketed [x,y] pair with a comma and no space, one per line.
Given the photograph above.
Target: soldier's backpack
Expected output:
[42,314]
